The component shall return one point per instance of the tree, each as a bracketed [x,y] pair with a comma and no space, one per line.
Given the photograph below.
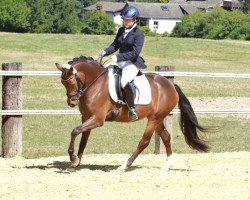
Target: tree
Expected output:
[87,3]
[66,18]
[98,22]
[42,16]
[14,16]
[58,16]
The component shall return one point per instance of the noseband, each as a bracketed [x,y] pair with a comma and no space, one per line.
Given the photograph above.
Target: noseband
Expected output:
[80,86]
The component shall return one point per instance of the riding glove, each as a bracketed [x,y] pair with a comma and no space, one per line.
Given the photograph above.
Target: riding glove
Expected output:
[102,53]
[114,58]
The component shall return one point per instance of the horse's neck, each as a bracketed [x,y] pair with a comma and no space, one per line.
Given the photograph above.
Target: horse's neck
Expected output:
[90,70]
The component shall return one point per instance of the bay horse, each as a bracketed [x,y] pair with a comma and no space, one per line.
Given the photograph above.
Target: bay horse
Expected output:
[88,88]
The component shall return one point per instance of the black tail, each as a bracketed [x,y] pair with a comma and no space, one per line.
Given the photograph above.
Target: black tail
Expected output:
[189,123]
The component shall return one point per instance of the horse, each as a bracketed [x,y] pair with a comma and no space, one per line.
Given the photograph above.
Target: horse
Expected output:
[86,83]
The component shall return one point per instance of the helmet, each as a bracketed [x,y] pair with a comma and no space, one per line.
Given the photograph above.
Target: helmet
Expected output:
[130,12]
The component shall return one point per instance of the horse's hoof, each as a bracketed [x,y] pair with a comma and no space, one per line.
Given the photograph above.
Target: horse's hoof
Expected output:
[124,167]
[168,166]
[75,163]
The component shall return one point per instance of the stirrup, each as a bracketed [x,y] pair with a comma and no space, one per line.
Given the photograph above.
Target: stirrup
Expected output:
[133,114]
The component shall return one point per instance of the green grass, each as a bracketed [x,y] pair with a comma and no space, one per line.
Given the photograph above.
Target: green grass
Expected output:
[49,135]
[41,51]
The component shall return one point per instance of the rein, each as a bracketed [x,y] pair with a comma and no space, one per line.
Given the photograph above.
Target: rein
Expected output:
[82,91]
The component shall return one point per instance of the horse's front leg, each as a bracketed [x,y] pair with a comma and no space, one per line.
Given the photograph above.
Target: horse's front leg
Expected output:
[89,124]
[82,145]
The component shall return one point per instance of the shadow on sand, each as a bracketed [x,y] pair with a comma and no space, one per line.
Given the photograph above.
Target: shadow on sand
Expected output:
[63,167]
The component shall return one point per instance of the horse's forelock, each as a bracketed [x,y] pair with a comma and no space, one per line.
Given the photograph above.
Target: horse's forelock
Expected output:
[67,67]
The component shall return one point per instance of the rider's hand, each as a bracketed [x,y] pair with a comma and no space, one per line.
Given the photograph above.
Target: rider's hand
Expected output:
[114,58]
[102,53]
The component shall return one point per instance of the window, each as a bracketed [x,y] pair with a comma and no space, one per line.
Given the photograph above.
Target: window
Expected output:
[156,24]
[165,8]
[142,22]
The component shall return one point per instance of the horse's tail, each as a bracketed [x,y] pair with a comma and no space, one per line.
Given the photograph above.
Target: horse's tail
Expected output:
[189,123]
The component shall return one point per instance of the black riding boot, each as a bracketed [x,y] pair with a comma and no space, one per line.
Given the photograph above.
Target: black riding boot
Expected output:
[129,98]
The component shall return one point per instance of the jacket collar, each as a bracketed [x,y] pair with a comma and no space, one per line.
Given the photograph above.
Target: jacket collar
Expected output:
[128,32]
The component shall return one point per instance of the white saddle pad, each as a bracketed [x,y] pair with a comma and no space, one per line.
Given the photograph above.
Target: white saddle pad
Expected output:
[143,94]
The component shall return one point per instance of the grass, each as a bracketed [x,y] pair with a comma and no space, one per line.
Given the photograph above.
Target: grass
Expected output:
[49,135]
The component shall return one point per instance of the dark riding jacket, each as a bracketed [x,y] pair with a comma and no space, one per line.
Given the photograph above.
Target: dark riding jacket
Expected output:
[129,47]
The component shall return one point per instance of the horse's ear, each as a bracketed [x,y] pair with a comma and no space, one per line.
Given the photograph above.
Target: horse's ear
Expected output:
[58,66]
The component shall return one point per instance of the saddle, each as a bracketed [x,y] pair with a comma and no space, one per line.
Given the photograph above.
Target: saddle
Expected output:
[140,85]
[117,72]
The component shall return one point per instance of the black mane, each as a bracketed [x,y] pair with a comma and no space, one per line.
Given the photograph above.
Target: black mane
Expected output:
[82,59]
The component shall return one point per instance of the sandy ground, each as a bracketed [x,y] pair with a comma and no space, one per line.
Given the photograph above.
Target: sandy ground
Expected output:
[220,102]
[194,176]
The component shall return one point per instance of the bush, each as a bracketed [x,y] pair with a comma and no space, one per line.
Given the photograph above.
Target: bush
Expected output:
[242,32]
[98,23]
[219,24]
[14,16]
[165,34]
[146,30]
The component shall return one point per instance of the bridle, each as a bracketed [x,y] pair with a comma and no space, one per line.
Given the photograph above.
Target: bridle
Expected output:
[80,84]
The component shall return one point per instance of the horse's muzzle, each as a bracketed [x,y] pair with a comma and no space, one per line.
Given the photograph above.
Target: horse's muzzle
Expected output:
[72,103]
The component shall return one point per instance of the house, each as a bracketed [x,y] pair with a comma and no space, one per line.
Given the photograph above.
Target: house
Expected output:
[208,5]
[161,17]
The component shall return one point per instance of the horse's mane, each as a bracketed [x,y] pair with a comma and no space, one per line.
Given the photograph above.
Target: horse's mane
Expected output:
[83,59]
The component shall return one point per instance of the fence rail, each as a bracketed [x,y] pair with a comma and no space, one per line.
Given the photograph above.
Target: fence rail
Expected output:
[77,112]
[162,73]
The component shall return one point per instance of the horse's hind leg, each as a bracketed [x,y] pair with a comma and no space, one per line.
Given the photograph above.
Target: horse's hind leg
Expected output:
[142,144]
[166,138]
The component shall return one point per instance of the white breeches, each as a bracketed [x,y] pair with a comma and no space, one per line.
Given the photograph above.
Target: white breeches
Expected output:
[129,72]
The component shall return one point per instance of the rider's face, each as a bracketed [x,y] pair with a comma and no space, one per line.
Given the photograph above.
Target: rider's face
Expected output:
[128,23]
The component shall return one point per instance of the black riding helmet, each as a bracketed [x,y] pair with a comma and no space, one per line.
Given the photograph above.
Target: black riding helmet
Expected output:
[130,12]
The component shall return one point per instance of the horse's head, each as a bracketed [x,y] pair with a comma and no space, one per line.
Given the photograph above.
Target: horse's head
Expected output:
[72,83]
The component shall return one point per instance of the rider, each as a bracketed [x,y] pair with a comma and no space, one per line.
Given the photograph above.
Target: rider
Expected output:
[129,40]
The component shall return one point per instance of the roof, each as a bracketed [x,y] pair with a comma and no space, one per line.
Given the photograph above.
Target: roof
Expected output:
[108,6]
[154,10]
[148,10]
[199,4]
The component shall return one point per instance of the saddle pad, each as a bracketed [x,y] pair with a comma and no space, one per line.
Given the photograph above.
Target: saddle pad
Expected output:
[143,96]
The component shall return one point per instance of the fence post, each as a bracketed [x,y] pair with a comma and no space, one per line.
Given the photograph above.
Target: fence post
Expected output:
[12,100]
[159,146]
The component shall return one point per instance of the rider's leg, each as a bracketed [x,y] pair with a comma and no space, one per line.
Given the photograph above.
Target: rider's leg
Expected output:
[128,74]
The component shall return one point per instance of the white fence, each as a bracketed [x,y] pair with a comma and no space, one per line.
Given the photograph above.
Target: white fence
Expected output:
[77,112]
[166,74]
